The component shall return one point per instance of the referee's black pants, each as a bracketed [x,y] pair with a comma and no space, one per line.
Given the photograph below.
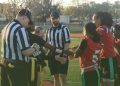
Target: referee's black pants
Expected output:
[14,73]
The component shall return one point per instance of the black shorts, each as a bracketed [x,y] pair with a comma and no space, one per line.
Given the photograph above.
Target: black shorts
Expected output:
[108,68]
[91,78]
[56,67]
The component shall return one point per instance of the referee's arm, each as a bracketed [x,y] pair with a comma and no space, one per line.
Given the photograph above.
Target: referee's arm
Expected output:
[23,42]
[66,35]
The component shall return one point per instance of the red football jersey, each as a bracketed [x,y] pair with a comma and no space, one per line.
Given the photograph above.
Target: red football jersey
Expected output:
[107,42]
[90,55]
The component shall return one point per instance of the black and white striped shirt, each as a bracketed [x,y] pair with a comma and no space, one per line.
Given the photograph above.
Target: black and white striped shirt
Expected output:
[14,40]
[58,36]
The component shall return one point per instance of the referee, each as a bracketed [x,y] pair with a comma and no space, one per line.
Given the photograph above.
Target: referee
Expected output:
[16,50]
[59,36]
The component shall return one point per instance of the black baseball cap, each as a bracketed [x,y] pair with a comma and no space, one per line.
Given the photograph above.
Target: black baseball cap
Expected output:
[54,14]
[25,12]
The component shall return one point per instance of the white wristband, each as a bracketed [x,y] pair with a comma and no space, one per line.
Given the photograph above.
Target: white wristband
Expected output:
[58,51]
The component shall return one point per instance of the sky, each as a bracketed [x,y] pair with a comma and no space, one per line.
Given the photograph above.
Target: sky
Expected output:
[68,2]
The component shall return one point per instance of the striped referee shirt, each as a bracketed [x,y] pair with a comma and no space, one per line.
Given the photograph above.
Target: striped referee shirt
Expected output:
[14,40]
[58,36]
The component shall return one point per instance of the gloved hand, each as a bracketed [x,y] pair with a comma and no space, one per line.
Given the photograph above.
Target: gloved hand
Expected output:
[35,46]
[36,53]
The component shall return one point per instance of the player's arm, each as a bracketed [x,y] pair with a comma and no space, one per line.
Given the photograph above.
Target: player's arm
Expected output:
[117,49]
[39,40]
[81,48]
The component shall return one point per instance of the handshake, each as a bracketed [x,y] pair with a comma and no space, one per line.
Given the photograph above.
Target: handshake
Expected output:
[63,55]
[67,52]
